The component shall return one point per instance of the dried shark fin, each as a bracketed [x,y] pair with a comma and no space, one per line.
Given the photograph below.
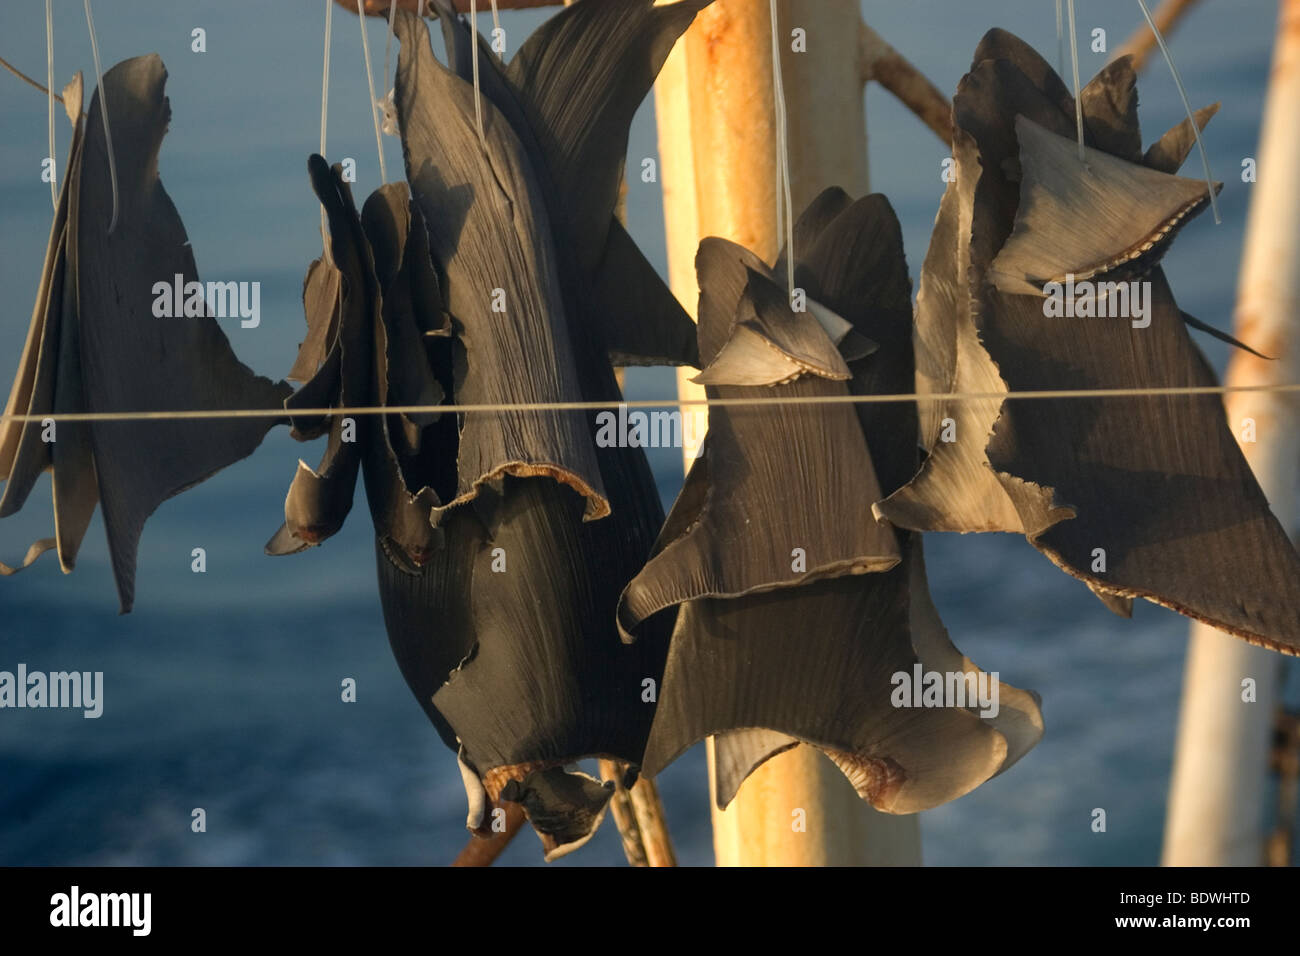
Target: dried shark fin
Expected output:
[544,639]
[719,552]
[813,222]
[941,310]
[738,753]
[570,690]
[641,320]
[34,551]
[565,808]
[44,363]
[429,621]
[586,71]
[1110,110]
[32,454]
[457,37]
[489,230]
[728,266]
[955,488]
[570,94]
[320,358]
[770,345]
[20,394]
[1156,485]
[582,75]
[1134,214]
[475,796]
[1193,322]
[855,632]
[411,298]
[817,663]
[1169,152]
[319,286]
[75,484]
[340,293]
[1160,485]
[130,359]
[403,376]
[1119,606]
[999,44]
[856,267]
[319,499]
[1019,717]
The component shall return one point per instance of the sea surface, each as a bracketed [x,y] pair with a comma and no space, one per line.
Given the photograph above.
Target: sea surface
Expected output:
[222,690]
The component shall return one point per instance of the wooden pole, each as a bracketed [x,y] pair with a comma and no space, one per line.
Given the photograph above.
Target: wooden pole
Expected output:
[715,112]
[882,63]
[379,8]
[1221,763]
[483,851]
[1142,43]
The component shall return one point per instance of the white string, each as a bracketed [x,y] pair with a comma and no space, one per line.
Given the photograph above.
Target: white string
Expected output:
[49,87]
[776,143]
[388,44]
[370,84]
[1074,60]
[1191,118]
[784,214]
[1060,37]
[478,97]
[324,113]
[103,111]
[496,25]
[325,74]
[1193,391]
[389,106]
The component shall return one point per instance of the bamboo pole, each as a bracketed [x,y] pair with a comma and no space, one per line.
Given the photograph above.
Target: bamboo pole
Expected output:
[1217,794]
[714,104]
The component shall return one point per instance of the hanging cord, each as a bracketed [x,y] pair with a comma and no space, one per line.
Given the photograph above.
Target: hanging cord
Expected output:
[478,96]
[1060,37]
[324,116]
[1074,61]
[49,89]
[1191,118]
[374,105]
[27,79]
[103,111]
[389,104]
[1085,394]
[325,75]
[496,26]
[784,197]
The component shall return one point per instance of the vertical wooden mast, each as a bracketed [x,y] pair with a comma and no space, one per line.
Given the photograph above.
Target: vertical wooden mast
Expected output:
[1221,763]
[715,111]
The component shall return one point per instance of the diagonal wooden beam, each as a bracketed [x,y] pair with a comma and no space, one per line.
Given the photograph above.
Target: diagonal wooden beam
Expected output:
[882,63]
[379,8]
[1143,42]
[481,851]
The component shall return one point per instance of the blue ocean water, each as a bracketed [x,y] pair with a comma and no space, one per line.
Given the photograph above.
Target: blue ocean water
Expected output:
[223,689]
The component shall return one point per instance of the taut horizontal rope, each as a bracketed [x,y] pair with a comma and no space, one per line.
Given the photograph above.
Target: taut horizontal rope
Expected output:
[1062,394]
